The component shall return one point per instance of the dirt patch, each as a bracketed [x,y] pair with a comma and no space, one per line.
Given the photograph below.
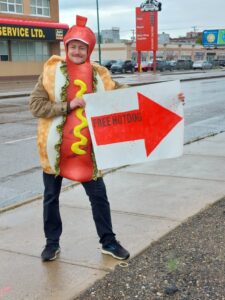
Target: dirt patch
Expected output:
[186,264]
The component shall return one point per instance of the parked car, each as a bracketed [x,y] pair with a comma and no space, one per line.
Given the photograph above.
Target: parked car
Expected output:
[108,63]
[123,66]
[161,65]
[184,64]
[222,62]
[218,62]
[170,65]
[202,65]
[145,66]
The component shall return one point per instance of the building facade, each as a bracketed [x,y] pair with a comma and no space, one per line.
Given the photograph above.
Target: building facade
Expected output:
[127,50]
[110,35]
[165,51]
[30,33]
[163,38]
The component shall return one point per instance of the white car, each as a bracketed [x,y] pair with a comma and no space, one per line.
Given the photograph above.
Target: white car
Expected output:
[202,65]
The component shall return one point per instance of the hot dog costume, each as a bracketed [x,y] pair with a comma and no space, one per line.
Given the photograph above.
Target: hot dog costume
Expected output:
[64,141]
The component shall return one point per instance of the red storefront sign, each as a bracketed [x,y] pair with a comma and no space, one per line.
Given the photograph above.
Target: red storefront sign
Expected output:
[146,30]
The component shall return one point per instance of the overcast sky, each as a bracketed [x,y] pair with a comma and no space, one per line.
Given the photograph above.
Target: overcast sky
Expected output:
[176,18]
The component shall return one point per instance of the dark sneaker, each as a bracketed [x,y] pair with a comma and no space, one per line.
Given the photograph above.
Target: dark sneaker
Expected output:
[50,252]
[116,250]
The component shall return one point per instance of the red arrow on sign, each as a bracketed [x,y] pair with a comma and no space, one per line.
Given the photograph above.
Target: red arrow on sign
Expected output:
[151,122]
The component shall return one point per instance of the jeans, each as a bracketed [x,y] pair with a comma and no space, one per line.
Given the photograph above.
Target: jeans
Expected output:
[95,190]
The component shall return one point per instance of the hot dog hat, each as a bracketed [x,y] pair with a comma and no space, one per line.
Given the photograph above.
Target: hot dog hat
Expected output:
[81,33]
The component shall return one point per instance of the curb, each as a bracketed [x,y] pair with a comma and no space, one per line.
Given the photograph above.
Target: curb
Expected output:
[39,196]
[130,84]
[182,80]
[32,199]
[14,95]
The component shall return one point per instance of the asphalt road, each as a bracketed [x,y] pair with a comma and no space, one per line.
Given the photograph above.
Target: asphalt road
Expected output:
[20,177]
[204,109]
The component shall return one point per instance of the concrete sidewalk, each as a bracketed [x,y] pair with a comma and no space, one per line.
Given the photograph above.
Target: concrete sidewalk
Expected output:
[147,200]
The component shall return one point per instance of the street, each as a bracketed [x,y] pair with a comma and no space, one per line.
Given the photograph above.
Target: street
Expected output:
[21,174]
[204,109]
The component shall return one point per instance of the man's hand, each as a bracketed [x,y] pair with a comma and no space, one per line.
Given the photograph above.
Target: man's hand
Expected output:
[77,102]
[181,97]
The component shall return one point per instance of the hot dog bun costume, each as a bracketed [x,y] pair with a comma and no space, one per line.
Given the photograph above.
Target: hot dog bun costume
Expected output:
[64,141]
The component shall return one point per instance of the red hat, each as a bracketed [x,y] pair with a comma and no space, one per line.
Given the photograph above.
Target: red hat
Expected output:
[82,33]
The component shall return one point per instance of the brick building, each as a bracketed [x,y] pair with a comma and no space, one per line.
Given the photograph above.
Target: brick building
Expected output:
[30,32]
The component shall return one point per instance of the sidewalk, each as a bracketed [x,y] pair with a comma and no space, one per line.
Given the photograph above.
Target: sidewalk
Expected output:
[147,200]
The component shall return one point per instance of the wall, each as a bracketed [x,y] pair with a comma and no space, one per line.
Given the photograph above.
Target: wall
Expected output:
[54,13]
[54,48]
[20,68]
[110,51]
[14,68]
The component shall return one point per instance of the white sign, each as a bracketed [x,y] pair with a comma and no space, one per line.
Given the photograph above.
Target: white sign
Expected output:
[135,125]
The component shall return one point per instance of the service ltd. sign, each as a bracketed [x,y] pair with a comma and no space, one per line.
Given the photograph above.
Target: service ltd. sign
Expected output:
[8,31]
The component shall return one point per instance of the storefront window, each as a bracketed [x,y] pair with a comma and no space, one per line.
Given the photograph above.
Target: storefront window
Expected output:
[4,54]
[40,7]
[11,6]
[29,51]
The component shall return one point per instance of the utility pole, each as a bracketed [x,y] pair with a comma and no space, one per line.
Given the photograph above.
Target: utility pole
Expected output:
[133,36]
[99,36]
[195,30]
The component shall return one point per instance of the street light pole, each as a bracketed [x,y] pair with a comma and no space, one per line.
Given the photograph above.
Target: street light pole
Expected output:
[99,36]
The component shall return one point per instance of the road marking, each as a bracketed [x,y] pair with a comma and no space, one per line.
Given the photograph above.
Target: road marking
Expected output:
[21,140]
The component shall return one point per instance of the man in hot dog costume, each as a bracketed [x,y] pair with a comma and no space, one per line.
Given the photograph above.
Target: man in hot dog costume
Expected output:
[64,142]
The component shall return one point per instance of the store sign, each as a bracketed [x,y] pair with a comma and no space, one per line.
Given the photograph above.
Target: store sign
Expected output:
[146,30]
[214,37]
[8,31]
[153,30]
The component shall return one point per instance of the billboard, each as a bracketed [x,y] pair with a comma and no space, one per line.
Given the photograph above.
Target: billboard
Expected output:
[146,30]
[213,37]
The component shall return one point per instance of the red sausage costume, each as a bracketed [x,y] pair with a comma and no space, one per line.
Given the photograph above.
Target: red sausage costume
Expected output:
[64,141]
[77,165]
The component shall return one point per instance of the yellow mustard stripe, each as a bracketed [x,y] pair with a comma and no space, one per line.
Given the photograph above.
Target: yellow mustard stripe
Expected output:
[75,148]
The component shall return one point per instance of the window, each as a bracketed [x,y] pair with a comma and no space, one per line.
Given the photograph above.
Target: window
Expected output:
[29,51]
[40,7]
[4,54]
[11,6]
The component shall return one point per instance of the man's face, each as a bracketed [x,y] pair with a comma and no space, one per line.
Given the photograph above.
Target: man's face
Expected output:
[77,52]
